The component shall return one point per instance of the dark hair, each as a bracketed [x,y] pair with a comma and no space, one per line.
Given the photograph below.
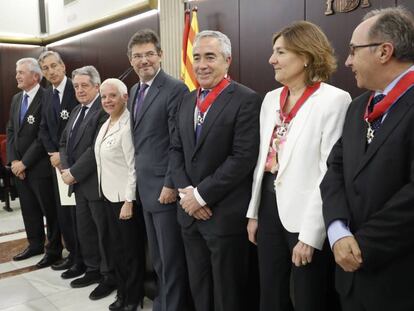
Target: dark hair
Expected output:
[144,36]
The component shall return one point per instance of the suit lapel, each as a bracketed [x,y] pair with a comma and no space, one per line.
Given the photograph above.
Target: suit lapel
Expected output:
[96,104]
[212,114]
[150,97]
[394,117]
[117,126]
[297,126]
[31,111]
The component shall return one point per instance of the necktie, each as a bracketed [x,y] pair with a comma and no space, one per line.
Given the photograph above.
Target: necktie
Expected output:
[375,125]
[56,102]
[200,116]
[24,106]
[73,133]
[140,99]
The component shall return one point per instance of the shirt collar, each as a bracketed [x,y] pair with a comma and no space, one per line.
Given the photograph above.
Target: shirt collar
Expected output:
[61,86]
[32,93]
[394,82]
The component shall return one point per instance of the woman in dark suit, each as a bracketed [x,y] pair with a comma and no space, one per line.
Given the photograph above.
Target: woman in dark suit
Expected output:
[114,152]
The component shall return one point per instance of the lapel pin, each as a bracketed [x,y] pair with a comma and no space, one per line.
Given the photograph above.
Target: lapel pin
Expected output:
[31,119]
[64,114]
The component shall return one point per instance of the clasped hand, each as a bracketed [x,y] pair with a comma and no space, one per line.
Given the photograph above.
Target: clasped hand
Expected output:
[191,206]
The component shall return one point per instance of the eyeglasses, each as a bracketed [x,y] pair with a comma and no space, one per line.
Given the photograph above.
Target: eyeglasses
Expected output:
[352,47]
[147,55]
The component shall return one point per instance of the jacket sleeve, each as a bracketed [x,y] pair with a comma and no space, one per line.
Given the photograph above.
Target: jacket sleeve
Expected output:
[312,231]
[172,104]
[176,154]
[11,151]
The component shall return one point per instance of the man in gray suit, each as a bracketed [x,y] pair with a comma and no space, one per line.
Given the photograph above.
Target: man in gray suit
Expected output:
[79,171]
[153,102]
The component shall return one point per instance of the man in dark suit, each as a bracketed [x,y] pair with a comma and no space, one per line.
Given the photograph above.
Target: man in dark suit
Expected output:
[153,103]
[368,190]
[214,151]
[29,164]
[79,171]
[58,102]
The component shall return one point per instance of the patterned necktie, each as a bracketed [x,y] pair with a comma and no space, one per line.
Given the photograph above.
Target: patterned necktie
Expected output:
[56,102]
[24,106]
[375,125]
[200,116]
[73,134]
[140,99]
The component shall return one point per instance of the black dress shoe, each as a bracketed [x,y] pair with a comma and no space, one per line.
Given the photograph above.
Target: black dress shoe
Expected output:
[48,260]
[27,253]
[131,307]
[74,271]
[88,279]
[63,265]
[118,304]
[102,290]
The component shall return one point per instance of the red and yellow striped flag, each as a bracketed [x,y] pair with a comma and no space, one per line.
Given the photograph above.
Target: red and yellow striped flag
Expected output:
[190,31]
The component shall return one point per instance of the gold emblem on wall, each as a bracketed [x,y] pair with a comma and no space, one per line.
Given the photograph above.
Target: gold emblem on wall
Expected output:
[344,6]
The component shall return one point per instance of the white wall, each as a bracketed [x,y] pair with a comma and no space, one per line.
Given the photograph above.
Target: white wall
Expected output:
[82,11]
[19,18]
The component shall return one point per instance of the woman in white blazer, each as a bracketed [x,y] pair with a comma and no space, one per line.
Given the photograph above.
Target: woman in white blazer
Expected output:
[299,124]
[114,153]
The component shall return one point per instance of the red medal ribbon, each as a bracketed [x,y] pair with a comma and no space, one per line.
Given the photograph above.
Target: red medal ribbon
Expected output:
[406,82]
[283,99]
[211,97]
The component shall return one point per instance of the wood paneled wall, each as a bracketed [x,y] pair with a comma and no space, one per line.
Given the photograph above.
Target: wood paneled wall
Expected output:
[249,25]
[106,50]
[9,55]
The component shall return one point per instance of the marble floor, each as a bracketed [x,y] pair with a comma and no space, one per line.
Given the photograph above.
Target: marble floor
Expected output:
[22,289]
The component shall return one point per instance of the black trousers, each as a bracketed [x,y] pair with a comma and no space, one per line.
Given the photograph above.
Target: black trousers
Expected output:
[92,225]
[127,247]
[37,201]
[67,223]
[217,268]
[313,286]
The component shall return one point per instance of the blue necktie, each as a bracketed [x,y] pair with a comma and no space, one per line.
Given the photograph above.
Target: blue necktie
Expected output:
[140,99]
[24,106]
[375,125]
[56,103]
[200,116]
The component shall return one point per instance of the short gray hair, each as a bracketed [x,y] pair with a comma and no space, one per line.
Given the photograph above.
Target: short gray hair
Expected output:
[88,71]
[394,25]
[47,54]
[224,41]
[121,87]
[32,64]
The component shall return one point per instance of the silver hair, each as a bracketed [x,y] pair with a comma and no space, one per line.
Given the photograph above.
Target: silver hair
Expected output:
[88,71]
[224,41]
[121,87]
[47,54]
[32,64]
[394,25]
